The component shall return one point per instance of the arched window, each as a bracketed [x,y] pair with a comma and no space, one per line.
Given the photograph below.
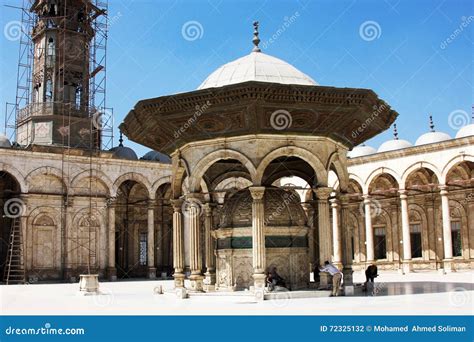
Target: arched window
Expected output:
[415,237]
[456,239]
[380,243]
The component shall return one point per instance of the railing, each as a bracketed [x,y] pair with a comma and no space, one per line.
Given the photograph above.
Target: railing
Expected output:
[53,108]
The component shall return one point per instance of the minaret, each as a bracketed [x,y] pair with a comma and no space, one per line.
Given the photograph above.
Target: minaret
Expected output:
[60,112]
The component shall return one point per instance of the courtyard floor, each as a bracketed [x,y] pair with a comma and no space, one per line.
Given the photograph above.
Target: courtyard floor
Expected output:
[421,293]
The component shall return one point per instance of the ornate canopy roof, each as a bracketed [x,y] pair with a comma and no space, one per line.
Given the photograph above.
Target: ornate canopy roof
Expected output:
[347,115]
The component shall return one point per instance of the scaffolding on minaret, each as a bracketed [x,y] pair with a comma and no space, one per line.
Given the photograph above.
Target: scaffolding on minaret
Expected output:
[98,111]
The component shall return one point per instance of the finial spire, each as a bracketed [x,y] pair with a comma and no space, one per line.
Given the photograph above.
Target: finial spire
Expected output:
[255,39]
[432,126]
[121,140]
[395,132]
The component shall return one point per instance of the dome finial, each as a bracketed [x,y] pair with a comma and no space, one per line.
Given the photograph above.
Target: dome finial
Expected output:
[121,140]
[432,126]
[395,132]
[256,39]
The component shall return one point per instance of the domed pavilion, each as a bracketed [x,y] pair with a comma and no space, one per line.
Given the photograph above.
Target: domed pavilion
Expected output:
[251,123]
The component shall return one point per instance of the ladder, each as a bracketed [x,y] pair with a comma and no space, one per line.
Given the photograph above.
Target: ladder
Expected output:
[14,272]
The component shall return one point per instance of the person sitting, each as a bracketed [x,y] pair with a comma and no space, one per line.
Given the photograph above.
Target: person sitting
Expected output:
[269,281]
[274,279]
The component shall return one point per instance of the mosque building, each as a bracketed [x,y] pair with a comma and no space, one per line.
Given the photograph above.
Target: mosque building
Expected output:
[260,167]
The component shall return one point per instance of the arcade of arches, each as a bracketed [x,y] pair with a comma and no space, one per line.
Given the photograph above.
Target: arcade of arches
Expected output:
[238,215]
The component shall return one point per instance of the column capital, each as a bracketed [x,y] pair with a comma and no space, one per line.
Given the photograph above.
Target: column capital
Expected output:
[151,203]
[403,194]
[344,198]
[257,192]
[323,193]
[177,204]
[308,206]
[443,190]
[208,208]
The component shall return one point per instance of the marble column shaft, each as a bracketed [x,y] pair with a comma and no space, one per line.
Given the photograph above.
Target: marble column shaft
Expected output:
[209,245]
[369,230]
[258,236]
[178,243]
[324,224]
[336,232]
[445,211]
[405,226]
[151,239]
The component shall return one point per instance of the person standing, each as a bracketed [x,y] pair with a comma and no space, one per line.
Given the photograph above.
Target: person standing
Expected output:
[336,276]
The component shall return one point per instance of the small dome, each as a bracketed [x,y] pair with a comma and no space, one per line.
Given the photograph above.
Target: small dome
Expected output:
[431,138]
[256,66]
[394,144]
[122,152]
[361,151]
[465,131]
[4,142]
[282,208]
[157,157]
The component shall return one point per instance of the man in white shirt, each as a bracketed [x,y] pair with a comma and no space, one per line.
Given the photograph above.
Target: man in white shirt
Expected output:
[336,276]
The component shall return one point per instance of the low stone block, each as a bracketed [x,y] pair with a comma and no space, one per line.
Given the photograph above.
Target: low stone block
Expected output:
[181,293]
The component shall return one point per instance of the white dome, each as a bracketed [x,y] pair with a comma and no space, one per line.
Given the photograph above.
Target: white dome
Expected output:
[360,151]
[465,131]
[394,144]
[4,142]
[256,66]
[431,138]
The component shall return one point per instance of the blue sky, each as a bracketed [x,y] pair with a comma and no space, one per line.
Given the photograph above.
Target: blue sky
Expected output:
[420,59]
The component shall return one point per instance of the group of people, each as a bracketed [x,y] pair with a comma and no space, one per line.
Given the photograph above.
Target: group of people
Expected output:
[274,279]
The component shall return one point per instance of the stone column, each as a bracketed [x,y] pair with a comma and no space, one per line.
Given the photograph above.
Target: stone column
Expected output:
[258,236]
[448,244]
[194,207]
[178,243]
[151,240]
[336,234]
[309,210]
[346,248]
[210,275]
[111,270]
[324,228]
[369,231]
[406,260]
